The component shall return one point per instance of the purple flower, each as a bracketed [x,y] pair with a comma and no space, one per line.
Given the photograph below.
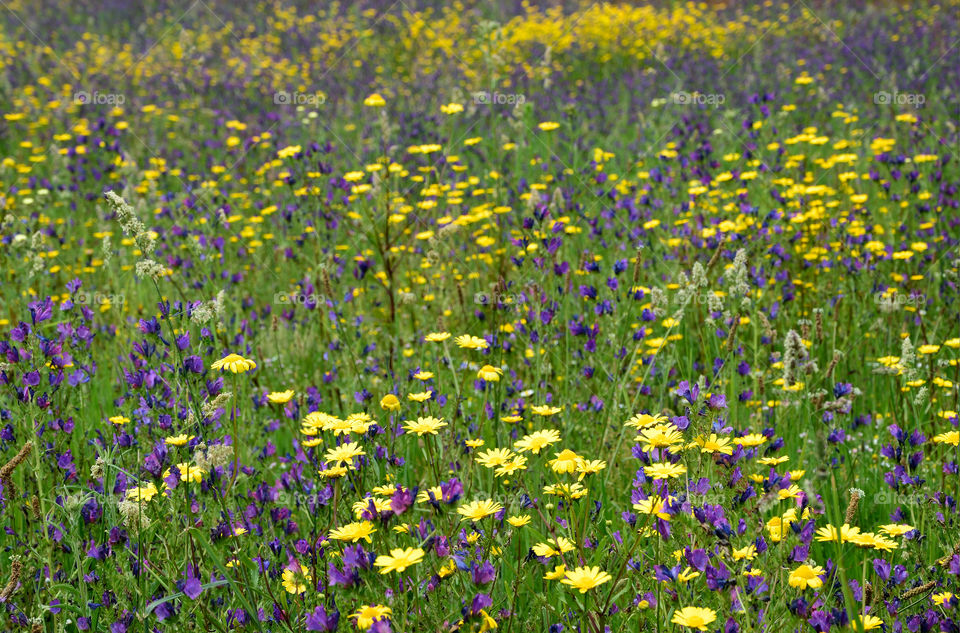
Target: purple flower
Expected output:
[451,490]
[345,578]
[401,500]
[91,511]
[192,588]
[380,625]
[697,559]
[40,311]
[480,601]
[717,401]
[882,568]
[193,364]
[688,392]
[483,574]
[164,610]
[320,620]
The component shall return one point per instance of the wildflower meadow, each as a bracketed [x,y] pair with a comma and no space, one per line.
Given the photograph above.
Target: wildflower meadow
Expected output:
[466,316]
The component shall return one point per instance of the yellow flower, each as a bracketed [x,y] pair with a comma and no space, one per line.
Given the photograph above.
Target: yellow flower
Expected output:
[791,492]
[749,553]
[353,532]
[777,526]
[806,576]
[694,617]
[280,397]
[494,457]
[519,520]
[773,461]
[589,467]
[315,420]
[188,472]
[643,420]
[374,101]
[548,126]
[290,150]
[653,505]
[471,342]
[337,426]
[366,614]
[586,578]
[359,422]
[751,439]
[868,622]
[478,510]
[428,425]
[896,529]
[447,568]
[537,441]
[942,599]
[119,420]
[422,396]
[486,622]
[553,548]
[660,436]
[829,533]
[560,571]
[296,582]
[664,470]
[451,108]
[436,337]
[379,506]
[344,453]
[399,560]
[178,440]
[545,410]
[333,472]
[390,402]
[490,373]
[714,444]
[950,437]
[143,493]
[687,575]
[569,491]
[423,375]
[564,462]
[519,462]
[869,539]
[234,363]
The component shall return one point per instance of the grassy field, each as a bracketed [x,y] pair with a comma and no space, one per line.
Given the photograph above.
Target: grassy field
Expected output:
[472,316]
